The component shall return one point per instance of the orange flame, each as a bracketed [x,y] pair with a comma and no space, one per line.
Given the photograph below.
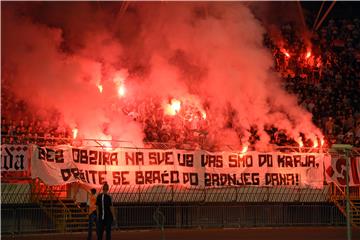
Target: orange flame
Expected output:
[308,54]
[244,150]
[119,81]
[285,53]
[175,105]
[300,142]
[75,132]
[316,143]
[173,108]
[203,113]
[322,141]
[121,90]
[100,87]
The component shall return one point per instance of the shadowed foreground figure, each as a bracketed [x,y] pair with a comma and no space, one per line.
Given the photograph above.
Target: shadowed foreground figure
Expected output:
[92,211]
[105,213]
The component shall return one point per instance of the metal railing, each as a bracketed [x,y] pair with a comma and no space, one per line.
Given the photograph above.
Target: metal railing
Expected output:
[27,193]
[119,143]
[49,196]
[249,194]
[338,193]
[34,220]
[14,193]
[25,220]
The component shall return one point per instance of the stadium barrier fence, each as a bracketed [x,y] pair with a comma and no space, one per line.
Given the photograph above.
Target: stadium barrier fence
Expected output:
[25,220]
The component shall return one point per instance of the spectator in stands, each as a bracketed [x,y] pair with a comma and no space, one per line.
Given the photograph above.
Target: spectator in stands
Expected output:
[327,84]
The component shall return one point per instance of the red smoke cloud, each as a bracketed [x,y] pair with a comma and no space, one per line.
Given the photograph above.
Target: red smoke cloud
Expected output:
[174,50]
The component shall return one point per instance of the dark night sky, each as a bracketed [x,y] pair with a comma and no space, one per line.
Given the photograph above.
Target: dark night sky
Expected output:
[342,9]
[280,12]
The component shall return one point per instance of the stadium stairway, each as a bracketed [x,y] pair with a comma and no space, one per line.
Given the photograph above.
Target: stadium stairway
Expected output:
[65,213]
[356,214]
[338,197]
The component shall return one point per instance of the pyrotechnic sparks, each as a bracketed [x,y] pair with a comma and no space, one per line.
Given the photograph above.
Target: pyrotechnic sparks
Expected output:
[100,87]
[322,142]
[244,150]
[285,53]
[175,105]
[316,143]
[121,90]
[203,114]
[75,132]
[119,81]
[173,108]
[300,142]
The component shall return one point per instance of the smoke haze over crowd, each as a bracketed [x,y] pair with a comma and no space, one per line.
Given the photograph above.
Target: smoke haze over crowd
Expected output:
[211,55]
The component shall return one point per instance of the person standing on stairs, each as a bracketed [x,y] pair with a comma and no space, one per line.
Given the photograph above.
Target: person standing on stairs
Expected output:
[92,211]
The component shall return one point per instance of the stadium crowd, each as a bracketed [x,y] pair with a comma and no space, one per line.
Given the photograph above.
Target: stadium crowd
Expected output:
[327,83]
[324,73]
[19,125]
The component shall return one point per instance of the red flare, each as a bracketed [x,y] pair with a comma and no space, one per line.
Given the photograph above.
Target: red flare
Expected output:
[308,54]
[100,87]
[75,132]
[175,105]
[300,142]
[119,81]
[316,143]
[322,142]
[173,108]
[285,53]
[121,90]
[203,114]
[244,150]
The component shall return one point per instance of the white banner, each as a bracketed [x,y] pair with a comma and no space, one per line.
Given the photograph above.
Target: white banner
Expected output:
[14,158]
[149,167]
[335,170]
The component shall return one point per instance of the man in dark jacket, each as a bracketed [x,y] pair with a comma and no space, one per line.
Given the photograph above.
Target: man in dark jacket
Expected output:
[105,213]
